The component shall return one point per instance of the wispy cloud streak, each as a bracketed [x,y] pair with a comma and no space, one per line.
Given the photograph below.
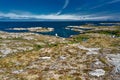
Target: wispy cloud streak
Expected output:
[106,3]
[114,1]
[64,6]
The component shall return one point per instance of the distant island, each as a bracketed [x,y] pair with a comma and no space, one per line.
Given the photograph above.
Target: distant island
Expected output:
[34,29]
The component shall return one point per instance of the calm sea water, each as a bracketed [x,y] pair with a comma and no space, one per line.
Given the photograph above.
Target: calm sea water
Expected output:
[58,26]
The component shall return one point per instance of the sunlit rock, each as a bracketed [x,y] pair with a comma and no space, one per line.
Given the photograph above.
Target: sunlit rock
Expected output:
[114,59]
[45,58]
[97,72]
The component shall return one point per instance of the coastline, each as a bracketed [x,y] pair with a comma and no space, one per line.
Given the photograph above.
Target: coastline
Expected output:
[26,55]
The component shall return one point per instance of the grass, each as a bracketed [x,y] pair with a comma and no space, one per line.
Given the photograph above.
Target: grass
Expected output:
[80,38]
[78,78]
[37,47]
[103,60]
[101,41]
[52,45]
[107,68]
[107,32]
[66,77]
[55,50]
[19,38]
[9,62]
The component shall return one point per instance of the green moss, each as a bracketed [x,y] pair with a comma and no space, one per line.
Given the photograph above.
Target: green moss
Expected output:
[103,60]
[86,70]
[37,47]
[52,45]
[65,77]
[81,38]
[52,79]
[72,42]
[116,44]
[107,68]
[78,78]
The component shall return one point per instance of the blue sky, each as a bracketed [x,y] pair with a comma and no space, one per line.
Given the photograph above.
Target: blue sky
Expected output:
[59,10]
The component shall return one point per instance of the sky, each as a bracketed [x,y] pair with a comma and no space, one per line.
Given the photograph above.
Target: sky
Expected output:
[60,10]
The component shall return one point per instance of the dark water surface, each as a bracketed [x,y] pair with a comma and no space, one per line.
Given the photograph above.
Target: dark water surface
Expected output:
[58,26]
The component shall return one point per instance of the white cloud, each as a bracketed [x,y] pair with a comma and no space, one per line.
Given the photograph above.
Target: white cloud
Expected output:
[33,16]
[51,17]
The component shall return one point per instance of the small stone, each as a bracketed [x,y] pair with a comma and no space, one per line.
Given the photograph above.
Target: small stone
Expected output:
[91,52]
[62,57]
[45,58]
[17,71]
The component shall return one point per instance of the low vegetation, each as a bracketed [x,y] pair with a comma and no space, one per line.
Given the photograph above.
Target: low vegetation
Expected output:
[40,57]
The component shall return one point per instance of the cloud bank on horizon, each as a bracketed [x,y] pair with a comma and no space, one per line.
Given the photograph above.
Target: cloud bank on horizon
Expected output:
[60,10]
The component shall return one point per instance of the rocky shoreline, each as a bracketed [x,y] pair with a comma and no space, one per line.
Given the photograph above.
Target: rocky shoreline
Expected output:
[34,29]
[89,56]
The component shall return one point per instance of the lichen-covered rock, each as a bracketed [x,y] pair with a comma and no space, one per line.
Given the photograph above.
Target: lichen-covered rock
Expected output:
[117,69]
[90,50]
[114,59]
[97,72]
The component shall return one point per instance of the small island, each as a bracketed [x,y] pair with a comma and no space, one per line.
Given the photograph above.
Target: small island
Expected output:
[80,29]
[34,29]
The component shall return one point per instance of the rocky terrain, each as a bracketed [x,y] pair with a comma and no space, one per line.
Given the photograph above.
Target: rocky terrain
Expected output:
[34,29]
[93,55]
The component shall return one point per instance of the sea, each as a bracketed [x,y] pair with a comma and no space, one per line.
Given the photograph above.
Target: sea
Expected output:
[59,26]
